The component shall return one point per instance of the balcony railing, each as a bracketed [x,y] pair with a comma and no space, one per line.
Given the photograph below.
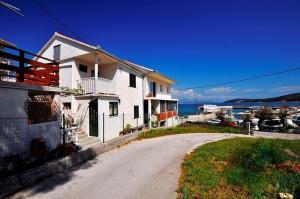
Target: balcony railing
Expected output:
[97,86]
[166,115]
[22,66]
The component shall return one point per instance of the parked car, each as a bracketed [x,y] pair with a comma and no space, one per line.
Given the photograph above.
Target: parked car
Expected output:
[271,125]
[214,121]
[229,123]
[296,120]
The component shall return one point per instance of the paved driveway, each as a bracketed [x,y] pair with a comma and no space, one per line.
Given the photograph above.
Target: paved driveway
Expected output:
[143,169]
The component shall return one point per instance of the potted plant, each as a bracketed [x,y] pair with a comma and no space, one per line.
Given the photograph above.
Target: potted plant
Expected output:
[149,95]
[127,130]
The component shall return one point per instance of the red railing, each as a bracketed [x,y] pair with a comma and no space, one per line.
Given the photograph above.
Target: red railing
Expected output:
[166,115]
[28,70]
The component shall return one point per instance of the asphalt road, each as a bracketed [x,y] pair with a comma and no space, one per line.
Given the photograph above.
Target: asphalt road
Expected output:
[140,170]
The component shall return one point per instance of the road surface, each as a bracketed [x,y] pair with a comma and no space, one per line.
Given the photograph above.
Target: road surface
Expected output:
[143,169]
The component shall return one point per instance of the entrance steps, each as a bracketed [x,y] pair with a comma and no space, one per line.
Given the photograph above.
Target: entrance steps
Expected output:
[85,141]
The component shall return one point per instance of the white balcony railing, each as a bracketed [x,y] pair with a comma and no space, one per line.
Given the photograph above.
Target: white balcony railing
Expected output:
[97,85]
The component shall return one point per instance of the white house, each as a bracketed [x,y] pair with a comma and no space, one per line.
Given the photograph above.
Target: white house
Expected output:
[108,92]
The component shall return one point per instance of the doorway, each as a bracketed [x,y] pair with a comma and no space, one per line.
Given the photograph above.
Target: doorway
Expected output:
[93,120]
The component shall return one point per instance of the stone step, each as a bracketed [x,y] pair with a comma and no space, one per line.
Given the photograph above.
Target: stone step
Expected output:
[88,141]
[82,136]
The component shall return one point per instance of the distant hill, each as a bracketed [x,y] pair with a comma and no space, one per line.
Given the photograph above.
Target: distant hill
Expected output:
[287,98]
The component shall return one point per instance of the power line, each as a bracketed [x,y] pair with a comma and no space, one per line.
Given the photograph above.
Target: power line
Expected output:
[12,8]
[56,19]
[242,80]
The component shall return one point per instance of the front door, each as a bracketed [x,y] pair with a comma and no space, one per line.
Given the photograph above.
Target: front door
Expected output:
[93,113]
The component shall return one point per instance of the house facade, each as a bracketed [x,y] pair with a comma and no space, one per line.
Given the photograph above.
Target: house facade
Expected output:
[106,94]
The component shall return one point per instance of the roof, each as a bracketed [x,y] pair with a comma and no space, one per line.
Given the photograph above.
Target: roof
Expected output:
[56,34]
[152,73]
[2,41]
[141,69]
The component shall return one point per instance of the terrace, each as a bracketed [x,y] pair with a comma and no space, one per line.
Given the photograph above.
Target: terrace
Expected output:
[17,65]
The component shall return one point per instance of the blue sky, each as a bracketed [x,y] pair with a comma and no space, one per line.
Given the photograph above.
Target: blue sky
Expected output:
[194,42]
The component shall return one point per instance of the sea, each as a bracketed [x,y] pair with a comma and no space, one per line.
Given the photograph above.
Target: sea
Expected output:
[192,109]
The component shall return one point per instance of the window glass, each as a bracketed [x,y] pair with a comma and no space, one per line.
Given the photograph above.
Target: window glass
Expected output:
[168,89]
[161,88]
[56,52]
[136,112]
[113,108]
[132,80]
[83,68]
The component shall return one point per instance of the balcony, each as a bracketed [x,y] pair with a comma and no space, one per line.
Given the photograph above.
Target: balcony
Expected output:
[21,66]
[97,86]
[166,115]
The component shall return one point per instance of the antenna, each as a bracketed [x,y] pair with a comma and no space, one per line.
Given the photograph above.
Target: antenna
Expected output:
[12,8]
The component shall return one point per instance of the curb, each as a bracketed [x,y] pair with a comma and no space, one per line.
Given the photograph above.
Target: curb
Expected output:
[30,177]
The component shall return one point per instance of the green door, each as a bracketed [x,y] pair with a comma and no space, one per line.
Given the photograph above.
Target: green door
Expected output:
[93,113]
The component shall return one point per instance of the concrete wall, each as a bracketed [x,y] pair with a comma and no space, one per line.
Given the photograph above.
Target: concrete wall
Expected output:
[172,121]
[12,103]
[130,97]
[201,117]
[15,132]
[65,74]
[113,125]
[108,71]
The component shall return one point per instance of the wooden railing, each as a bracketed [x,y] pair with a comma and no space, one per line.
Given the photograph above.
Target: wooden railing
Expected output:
[166,115]
[97,85]
[14,63]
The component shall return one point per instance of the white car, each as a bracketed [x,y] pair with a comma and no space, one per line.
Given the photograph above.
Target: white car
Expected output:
[214,121]
[272,125]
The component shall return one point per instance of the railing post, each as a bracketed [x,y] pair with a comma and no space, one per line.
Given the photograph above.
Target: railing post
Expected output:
[123,121]
[103,128]
[64,134]
[21,66]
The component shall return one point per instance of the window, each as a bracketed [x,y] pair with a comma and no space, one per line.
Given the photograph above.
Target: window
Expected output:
[161,88]
[172,106]
[168,89]
[132,80]
[163,106]
[56,52]
[41,109]
[113,108]
[83,68]
[136,112]
[67,105]
[153,88]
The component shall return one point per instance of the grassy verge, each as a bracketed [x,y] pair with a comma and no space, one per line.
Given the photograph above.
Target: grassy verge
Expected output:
[241,168]
[189,128]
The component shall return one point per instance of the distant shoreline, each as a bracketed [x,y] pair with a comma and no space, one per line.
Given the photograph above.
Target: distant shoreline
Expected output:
[295,97]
